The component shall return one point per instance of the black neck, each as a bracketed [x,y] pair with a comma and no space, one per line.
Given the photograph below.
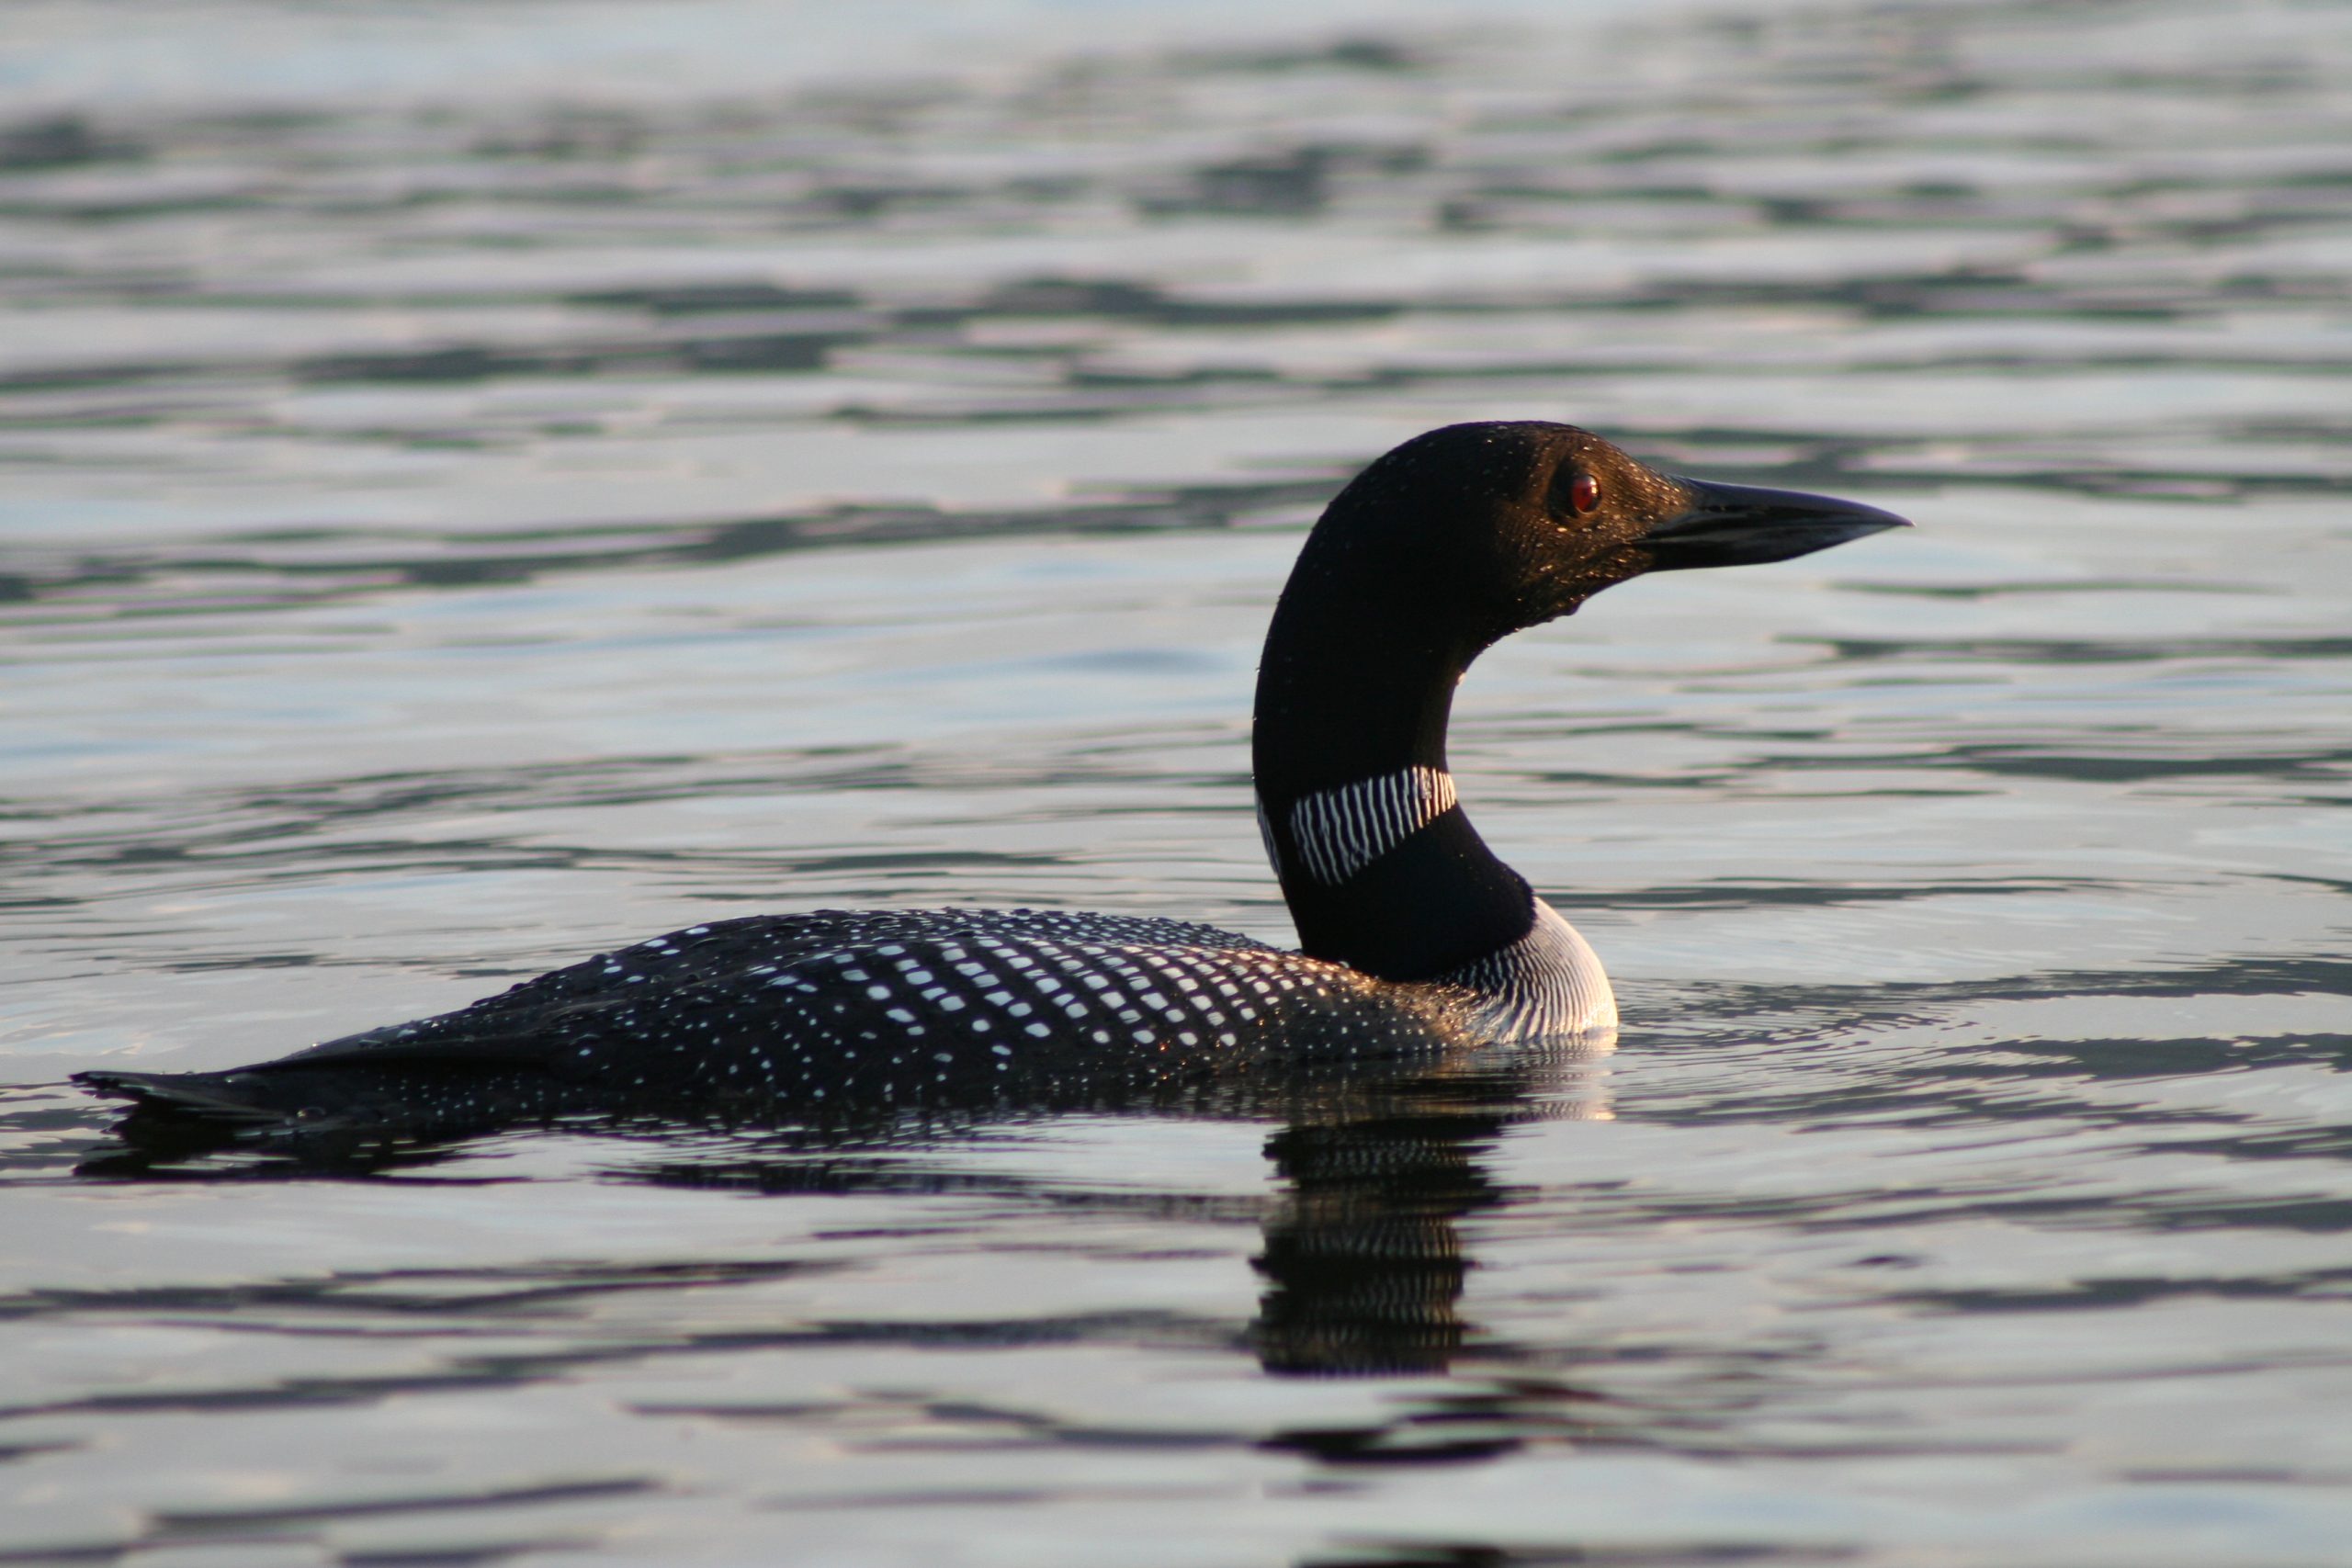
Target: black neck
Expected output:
[1357,682]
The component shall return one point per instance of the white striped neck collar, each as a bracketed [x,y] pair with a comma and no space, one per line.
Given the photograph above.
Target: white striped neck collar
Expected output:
[1338,833]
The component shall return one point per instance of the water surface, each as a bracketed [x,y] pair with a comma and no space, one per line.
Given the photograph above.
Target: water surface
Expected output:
[487,486]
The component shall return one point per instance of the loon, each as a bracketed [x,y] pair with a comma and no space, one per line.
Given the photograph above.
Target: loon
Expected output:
[1413,936]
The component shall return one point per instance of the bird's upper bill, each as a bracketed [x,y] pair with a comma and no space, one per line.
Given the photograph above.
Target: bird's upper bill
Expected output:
[1744,526]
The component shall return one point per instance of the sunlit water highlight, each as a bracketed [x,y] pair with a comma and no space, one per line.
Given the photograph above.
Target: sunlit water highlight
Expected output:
[473,502]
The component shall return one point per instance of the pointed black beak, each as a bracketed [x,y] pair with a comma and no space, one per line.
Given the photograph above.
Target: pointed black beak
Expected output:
[1742,525]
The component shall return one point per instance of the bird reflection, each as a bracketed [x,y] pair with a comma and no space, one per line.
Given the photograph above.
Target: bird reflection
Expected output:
[1362,1254]
[1363,1259]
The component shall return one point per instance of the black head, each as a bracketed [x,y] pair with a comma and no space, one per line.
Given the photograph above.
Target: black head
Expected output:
[1496,527]
[1451,542]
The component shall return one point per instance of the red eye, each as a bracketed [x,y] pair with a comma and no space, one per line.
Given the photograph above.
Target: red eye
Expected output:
[1584,493]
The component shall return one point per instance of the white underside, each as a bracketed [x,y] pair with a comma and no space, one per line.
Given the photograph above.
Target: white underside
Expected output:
[1547,984]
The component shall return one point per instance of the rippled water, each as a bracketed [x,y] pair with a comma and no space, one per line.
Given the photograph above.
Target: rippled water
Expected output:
[487,483]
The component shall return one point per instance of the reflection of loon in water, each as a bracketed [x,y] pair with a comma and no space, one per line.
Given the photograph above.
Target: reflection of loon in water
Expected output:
[1362,1254]
[1363,1258]
[1414,937]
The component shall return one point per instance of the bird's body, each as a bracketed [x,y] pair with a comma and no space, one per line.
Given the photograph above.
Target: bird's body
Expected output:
[1416,937]
[884,1013]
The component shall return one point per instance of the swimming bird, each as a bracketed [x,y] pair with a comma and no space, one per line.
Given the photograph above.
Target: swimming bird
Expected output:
[1413,936]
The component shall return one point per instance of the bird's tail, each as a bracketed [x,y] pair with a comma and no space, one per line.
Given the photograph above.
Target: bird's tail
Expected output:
[210,1096]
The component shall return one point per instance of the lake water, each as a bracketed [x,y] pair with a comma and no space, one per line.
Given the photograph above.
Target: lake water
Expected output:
[487,483]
